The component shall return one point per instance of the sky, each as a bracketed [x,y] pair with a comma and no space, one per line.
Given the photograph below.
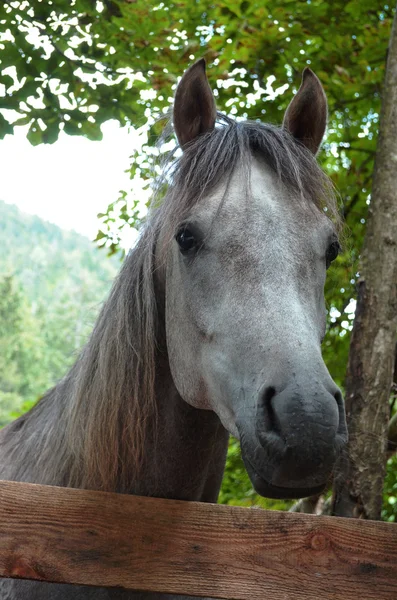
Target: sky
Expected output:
[70,181]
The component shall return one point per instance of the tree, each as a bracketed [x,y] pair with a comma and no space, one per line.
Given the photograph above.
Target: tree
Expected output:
[21,354]
[371,366]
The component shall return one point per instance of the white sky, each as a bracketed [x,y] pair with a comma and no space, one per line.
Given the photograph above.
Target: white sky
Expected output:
[68,182]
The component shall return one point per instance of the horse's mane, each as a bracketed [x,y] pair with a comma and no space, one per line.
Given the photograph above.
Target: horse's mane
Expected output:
[93,424]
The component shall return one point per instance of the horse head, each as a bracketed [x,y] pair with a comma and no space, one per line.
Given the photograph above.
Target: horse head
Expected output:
[244,278]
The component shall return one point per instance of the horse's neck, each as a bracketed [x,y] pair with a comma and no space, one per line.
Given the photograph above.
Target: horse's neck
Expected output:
[185,459]
[184,456]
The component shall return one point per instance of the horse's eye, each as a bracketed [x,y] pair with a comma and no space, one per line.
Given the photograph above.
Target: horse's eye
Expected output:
[332,253]
[186,240]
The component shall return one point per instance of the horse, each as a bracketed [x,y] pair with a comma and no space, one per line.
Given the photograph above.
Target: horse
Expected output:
[213,327]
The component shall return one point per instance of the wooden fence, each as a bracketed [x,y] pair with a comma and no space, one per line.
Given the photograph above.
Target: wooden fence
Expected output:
[101,539]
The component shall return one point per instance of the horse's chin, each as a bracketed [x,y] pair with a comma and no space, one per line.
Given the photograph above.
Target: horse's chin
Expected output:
[266,489]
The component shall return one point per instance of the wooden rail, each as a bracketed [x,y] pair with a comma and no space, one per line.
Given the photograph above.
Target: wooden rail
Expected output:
[101,539]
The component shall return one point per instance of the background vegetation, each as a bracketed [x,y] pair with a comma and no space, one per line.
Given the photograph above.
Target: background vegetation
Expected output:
[51,286]
[71,65]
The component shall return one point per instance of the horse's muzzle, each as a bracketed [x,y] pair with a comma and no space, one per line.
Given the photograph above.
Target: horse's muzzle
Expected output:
[298,433]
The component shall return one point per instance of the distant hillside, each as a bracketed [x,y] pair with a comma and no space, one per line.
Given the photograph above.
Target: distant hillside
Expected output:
[52,285]
[46,259]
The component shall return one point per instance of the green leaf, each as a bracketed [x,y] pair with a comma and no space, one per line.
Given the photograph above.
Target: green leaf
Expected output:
[92,131]
[35,135]
[5,127]
[50,135]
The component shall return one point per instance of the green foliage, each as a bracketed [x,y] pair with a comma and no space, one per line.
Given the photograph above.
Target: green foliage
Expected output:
[389,512]
[51,286]
[20,372]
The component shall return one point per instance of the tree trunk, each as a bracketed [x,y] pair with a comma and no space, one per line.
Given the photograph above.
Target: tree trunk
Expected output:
[360,474]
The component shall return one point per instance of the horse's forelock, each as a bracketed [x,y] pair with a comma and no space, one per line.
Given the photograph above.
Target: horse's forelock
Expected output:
[211,158]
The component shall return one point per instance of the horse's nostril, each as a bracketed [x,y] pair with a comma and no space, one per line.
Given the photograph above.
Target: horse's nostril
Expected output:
[339,399]
[342,429]
[299,430]
[340,404]
[268,414]
[269,393]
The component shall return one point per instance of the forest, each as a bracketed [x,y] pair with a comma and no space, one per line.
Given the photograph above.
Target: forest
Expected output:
[71,66]
[49,299]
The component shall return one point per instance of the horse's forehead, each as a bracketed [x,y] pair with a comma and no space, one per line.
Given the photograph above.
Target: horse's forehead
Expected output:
[253,194]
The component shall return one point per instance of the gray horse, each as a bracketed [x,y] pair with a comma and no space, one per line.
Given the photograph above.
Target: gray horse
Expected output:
[213,327]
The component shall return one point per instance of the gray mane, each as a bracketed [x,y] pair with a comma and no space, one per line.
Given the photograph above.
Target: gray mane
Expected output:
[89,431]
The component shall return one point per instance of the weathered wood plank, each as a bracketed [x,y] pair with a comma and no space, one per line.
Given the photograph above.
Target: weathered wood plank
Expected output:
[93,538]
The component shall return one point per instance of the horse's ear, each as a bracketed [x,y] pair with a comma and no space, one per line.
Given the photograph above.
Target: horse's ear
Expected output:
[194,107]
[306,116]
